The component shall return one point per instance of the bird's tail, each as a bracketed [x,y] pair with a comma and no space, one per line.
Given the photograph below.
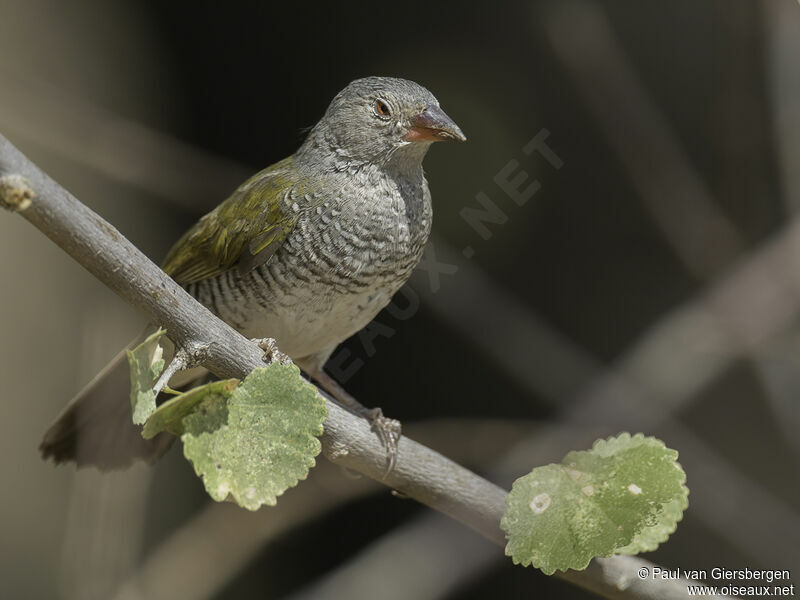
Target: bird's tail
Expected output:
[96,429]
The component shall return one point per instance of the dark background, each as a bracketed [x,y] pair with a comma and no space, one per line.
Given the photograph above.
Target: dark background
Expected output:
[679,130]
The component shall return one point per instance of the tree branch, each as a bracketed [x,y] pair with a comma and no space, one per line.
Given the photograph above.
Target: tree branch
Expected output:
[421,473]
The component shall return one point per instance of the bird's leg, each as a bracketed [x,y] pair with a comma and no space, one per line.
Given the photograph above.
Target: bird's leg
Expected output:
[389,430]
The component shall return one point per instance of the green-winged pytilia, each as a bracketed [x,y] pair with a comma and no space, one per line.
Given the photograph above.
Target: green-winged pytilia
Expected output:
[306,252]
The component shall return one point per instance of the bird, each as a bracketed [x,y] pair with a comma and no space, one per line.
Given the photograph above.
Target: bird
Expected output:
[304,253]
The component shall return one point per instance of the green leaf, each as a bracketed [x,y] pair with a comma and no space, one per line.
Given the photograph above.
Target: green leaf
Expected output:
[146,364]
[649,538]
[169,416]
[261,442]
[627,493]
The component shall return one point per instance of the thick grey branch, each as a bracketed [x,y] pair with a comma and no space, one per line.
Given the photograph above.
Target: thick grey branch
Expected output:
[421,473]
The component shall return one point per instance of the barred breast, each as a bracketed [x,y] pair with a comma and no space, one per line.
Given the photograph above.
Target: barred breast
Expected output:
[340,265]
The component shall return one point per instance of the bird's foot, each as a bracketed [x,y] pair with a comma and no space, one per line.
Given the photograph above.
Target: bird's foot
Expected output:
[389,431]
[271,352]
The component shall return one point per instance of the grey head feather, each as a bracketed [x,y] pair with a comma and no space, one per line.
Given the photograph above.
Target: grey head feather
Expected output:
[366,124]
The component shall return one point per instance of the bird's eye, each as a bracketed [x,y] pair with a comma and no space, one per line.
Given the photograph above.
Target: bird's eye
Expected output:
[382,109]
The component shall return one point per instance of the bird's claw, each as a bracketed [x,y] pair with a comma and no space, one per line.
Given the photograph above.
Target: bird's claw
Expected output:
[271,352]
[389,431]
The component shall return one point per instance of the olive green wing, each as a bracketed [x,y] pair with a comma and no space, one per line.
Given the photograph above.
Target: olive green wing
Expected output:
[243,231]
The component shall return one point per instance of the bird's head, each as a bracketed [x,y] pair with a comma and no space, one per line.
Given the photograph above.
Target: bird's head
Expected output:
[381,119]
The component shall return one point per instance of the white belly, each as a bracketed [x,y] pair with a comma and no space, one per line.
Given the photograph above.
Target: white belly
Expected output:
[313,323]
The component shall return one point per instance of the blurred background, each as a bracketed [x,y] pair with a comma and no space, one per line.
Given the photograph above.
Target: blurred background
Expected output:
[651,282]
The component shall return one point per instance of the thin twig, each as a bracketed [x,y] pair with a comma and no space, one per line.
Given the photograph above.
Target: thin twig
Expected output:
[420,473]
[179,362]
